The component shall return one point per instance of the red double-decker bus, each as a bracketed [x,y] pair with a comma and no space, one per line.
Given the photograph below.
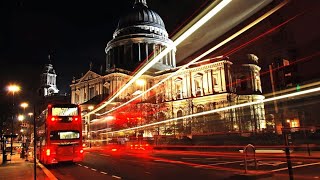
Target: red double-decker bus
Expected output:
[60,134]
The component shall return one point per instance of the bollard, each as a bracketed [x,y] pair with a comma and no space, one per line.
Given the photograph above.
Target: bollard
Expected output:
[245,152]
[4,155]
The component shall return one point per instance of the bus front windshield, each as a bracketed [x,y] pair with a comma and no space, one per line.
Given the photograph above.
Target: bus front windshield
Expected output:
[64,111]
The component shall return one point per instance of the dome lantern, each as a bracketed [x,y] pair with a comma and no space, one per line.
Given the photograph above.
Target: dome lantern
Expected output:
[140,2]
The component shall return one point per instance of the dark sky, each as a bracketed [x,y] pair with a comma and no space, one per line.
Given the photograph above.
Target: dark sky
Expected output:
[73,32]
[76,32]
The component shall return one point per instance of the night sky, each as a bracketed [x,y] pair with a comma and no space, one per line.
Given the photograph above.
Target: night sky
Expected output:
[73,32]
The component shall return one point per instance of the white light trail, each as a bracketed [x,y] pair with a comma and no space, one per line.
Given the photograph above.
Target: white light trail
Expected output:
[147,66]
[206,53]
[295,94]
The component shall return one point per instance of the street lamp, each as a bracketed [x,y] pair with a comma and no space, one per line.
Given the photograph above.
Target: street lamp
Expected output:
[21,117]
[30,114]
[12,88]
[24,105]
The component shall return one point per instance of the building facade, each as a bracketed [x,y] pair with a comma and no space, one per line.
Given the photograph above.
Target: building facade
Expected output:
[208,85]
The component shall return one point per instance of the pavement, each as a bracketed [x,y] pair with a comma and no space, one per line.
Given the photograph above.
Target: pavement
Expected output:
[20,169]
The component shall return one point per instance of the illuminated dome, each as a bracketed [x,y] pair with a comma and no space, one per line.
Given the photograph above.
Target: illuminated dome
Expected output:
[140,19]
[141,14]
[140,35]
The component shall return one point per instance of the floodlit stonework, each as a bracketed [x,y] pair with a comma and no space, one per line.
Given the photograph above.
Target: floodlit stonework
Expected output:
[207,85]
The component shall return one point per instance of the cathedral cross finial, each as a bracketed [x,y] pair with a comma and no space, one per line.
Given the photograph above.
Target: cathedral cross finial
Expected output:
[91,64]
[49,58]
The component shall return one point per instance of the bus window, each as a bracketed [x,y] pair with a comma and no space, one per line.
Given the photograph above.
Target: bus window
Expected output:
[64,135]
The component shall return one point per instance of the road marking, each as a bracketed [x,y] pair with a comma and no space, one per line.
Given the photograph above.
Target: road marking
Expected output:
[103,172]
[298,166]
[116,177]
[47,172]
[79,164]
[148,172]
[270,163]
[221,163]
[93,169]
[86,166]
[227,162]
[316,177]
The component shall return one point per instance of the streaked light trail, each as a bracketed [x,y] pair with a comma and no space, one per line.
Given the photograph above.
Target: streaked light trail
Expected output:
[147,66]
[264,16]
[295,94]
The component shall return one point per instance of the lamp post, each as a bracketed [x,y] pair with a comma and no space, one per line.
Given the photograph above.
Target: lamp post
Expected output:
[12,89]
[30,114]
[21,118]
[24,105]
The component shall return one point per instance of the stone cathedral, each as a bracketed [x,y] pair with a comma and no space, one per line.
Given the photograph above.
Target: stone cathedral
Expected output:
[206,85]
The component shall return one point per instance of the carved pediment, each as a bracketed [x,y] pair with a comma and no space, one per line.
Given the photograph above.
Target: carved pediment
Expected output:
[88,76]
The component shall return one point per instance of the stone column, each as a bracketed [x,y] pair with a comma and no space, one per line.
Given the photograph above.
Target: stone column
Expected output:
[173,58]
[139,52]
[170,58]
[131,53]
[147,52]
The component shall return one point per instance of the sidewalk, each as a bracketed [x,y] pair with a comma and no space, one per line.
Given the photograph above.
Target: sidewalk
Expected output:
[19,169]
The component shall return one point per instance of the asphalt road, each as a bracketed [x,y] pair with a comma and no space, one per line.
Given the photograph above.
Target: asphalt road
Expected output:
[166,165]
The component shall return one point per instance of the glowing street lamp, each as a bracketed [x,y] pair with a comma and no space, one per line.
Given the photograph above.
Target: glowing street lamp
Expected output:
[24,105]
[20,117]
[30,114]
[12,88]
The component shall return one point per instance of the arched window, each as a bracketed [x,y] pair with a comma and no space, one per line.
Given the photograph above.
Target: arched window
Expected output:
[200,109]
[179,113]
[198,84]
[178,85]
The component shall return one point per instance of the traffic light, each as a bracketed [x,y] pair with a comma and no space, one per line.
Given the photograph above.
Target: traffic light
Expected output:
[298,87]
